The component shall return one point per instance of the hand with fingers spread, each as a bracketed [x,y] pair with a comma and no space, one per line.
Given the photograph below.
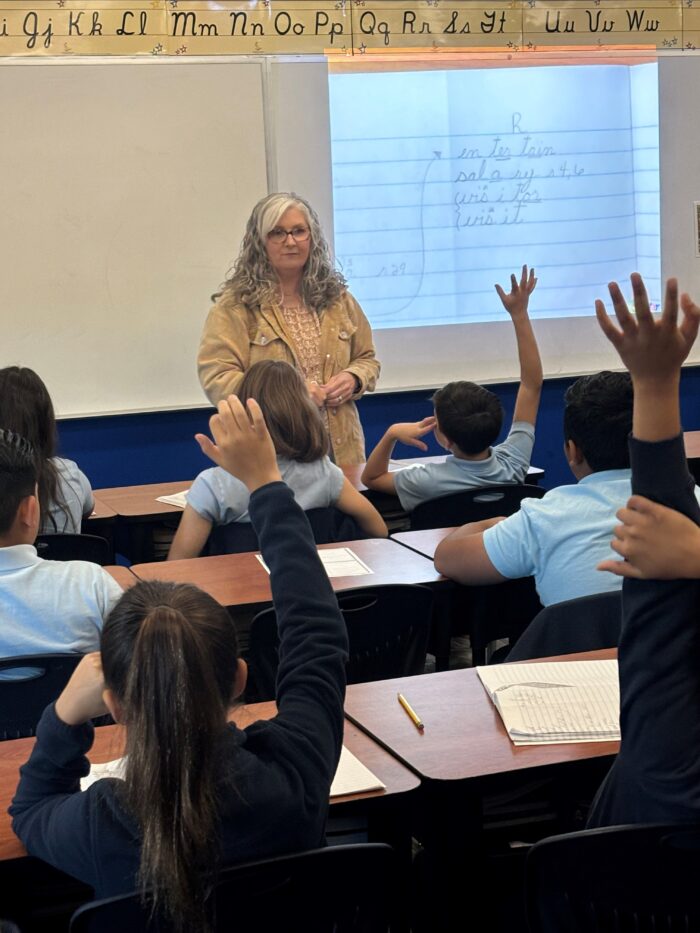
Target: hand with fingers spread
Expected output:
[410,432]
[655,542]
[516,301]
[242,444]
[653,351]
[650,349]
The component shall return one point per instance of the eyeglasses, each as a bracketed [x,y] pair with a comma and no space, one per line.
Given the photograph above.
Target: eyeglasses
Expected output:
[298,234]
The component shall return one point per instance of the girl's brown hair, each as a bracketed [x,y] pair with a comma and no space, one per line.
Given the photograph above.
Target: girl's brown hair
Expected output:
[170,655]
[292,419]
[26,409]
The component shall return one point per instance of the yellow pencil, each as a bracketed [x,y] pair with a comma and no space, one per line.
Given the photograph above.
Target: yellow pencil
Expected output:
[415,718]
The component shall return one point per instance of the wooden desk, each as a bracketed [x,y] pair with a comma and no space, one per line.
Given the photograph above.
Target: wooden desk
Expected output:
[422,542]
[139,503]
[101,513]
[463,755]
[124,577]
[109,742]
[240,579]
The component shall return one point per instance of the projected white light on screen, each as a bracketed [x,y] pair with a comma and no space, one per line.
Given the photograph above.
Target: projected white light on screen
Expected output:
[446,181]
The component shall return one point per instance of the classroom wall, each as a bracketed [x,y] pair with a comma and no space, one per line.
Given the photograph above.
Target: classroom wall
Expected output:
[159,447]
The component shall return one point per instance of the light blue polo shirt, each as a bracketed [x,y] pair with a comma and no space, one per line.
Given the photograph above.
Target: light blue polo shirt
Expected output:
[49,606]
[220,498]
[561,538]
[507,463]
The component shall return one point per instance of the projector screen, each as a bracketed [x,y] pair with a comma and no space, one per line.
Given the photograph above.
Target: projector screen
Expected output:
[446,181]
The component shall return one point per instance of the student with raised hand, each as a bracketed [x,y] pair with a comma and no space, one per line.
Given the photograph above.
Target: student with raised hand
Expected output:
[656,775]
[198,792]
[466,422]
[65,495]
[301,442]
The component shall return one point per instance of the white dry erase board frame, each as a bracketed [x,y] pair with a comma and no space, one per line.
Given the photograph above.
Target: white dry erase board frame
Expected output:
[127,184]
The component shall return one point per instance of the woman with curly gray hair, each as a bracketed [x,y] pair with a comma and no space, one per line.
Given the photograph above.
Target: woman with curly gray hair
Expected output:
[284,300]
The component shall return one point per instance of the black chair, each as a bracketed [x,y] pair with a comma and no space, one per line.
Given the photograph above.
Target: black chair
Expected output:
[582,624]
[623,878]
[388,629]
[347,889]
[75,547]
[23,701]
[472,505]
[327,525]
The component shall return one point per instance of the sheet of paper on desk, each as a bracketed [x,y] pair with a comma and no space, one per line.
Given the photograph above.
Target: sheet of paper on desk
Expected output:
[557,702]
[352,777]
[338,561]
[178,498]
[108,769]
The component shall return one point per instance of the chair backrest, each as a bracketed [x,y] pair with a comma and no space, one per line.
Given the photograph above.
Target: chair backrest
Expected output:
[388,629]
[472,505]
[327,525]
[340,888]
[582,624]
[622,878]
[75,547]
[23,700]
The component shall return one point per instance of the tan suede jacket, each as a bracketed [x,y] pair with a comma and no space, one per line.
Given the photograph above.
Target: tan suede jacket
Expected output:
[234,338]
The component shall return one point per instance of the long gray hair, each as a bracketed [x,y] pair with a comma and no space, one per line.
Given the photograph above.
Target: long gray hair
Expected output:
[252,281]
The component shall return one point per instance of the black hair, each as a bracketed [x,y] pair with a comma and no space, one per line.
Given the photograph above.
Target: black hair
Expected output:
[17,476]
[598,419]
[468,415]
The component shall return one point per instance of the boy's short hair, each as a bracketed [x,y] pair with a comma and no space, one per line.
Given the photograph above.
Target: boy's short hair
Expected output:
[598,419]
[18,476]
[468,415]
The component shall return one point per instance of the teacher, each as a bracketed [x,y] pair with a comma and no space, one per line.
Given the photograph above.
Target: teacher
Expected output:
[284,300]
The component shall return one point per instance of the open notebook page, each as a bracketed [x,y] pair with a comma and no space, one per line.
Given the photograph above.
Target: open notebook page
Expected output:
[545,703]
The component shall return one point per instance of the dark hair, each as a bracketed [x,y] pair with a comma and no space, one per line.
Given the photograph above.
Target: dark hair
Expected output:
[598,419]
[292,419]
[26,407]
[17,476]
[468,415]
[170,654]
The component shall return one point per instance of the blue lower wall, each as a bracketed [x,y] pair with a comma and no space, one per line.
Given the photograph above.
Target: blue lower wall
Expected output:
[126,450]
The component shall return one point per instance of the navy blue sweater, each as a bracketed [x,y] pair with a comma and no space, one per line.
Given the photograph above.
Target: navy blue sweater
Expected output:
[274,776]
[656,775]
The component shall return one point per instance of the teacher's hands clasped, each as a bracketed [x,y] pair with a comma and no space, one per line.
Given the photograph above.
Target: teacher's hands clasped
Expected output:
[339,389]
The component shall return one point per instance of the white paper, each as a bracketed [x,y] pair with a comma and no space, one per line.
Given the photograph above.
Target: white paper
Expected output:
[338,562]
[352,777]
[557,702]
[178,498]
[108,769]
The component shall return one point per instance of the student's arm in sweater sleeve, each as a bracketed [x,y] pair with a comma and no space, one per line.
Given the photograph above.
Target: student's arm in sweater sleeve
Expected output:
[313,639]
[49,814]
[659,652]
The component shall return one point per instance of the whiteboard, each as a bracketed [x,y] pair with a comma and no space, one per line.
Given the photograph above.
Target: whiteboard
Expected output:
[126,188]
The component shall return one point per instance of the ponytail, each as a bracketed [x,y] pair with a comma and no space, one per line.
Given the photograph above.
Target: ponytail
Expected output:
[175,691]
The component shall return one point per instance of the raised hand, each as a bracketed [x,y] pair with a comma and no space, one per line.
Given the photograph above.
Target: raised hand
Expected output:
[652,350]
[516,301]
[242,444]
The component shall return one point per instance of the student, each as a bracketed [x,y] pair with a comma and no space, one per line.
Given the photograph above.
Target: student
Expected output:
[656,775]
[46,606]
[65,495]
[301,442]
[170,672]
[467,421]
[560,538]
